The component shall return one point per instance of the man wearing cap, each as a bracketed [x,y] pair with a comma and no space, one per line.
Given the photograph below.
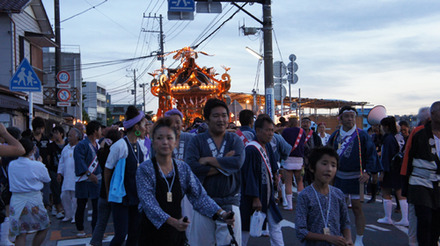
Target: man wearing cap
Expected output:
[216,157]
[88,175]
[357,158]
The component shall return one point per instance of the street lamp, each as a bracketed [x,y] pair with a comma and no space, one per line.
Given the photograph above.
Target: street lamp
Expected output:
[254,53]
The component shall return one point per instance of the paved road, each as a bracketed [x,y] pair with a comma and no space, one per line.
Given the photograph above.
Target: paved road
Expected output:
[63,233]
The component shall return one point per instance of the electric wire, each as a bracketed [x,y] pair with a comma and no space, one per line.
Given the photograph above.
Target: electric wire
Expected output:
[152,9]
[93,65]
[211,24]
[276,41]
[106,73]
[138,39]
[160,6]
[84,11]
[117,87]
[116,23]
[218,28]
[181,30]
[148,6]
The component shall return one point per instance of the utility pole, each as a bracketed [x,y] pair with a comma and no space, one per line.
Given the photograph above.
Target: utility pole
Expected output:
[268,53]
[143,89]
[57,38]
[160,54]
[267,38]
[134,80]
[133,92]
[162,59]
[268,59]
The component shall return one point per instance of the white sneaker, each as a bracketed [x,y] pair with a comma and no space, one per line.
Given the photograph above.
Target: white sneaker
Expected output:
[385,221]
[66,219]
[402,223]
[60,215]
[73,221]
[358,243]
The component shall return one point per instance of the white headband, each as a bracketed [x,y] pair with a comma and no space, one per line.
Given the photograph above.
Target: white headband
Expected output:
[348,111]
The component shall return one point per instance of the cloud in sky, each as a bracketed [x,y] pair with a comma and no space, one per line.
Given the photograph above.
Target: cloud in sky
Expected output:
[383,52]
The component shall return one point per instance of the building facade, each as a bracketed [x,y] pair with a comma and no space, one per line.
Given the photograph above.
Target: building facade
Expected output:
[70,63]
[26,30]
[95,101]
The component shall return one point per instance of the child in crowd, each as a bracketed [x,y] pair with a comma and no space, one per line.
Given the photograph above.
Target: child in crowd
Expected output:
[321,212]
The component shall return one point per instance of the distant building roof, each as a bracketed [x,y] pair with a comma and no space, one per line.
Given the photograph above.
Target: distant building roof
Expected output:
[305,102]
[14,6]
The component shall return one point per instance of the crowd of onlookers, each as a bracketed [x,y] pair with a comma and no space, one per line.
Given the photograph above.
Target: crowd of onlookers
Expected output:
[163,185]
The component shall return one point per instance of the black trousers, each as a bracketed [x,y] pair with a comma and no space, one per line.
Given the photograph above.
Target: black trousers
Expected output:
[428,225]
[125,221]
[79,215]
[55,187]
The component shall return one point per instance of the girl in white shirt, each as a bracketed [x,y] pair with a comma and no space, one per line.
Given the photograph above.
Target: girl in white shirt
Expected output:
[27,212]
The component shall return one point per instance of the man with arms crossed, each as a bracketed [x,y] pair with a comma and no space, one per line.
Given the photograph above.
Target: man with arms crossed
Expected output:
[216,157]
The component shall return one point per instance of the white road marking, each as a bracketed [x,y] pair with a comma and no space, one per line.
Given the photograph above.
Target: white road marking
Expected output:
[286,223]
[402,229]
[377,227]
[80,241]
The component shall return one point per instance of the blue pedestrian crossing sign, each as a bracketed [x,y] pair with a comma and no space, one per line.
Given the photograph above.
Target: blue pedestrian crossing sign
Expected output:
[25,79]
[181,5]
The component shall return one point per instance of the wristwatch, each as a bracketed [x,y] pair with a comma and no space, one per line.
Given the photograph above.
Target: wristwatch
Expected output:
[88,174]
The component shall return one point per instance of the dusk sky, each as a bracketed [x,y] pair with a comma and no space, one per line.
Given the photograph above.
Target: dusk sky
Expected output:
[382,52]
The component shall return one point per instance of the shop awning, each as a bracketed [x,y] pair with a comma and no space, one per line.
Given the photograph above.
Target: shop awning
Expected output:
[39,39]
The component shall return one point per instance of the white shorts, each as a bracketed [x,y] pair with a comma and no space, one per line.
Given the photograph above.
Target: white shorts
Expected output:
[293,163]
[206,231]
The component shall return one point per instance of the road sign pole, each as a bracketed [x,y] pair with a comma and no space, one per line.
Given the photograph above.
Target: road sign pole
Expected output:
[282,99]
[290,98]
[31,111]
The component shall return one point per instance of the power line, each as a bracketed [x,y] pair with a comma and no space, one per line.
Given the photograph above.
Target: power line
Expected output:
[152,9]
[121,26]
[84,11]
[276,41]
[181,30]
[114,88]
[106,73]
[104,63]
[218,28]
[160,6]
[148,6]
[211,24]
[139,37]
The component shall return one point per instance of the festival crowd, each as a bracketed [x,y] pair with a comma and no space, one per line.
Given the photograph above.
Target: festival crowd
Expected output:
[218,184]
